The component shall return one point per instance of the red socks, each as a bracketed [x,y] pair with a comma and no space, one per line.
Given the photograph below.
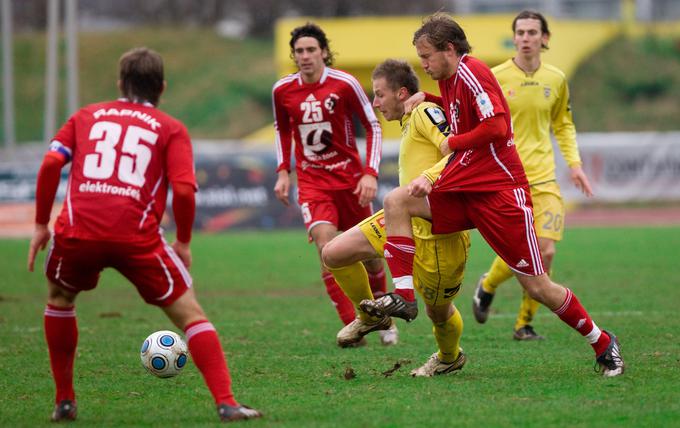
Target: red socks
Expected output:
[378,283]
[61,332]
[206,351]
[341,302]
[575,315]
[399,253]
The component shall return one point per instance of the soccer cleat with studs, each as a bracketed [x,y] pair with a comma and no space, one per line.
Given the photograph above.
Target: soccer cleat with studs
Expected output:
[435,367]
[352,334]
[610,362]
[390,305]
[65,410]
[527,333]
[481,301]
[229,413]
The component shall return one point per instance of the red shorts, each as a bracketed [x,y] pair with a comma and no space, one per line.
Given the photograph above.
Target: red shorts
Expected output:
[338,207]
[504,219]
[154,268]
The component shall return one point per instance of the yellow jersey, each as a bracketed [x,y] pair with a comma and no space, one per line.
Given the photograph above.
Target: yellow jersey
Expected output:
[422,131]
[539,102]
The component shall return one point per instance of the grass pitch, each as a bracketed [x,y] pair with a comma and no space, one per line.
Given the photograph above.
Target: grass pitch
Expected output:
[263,293]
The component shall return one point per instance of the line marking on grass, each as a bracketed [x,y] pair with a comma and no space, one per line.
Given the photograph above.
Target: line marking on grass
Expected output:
[595,314]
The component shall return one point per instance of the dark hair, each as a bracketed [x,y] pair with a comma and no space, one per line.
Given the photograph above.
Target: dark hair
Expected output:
[141,75]
[440,29]
[311,30]
[531,14]
[397,74]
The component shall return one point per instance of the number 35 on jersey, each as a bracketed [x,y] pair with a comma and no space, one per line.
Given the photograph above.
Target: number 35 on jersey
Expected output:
[135,155]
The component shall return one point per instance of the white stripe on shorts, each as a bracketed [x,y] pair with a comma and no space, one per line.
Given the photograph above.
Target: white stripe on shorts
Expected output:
[520,197]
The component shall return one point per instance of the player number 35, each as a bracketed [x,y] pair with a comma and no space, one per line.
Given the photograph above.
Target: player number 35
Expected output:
[134,156]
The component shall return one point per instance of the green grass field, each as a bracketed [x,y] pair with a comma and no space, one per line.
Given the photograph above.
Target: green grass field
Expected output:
[263,293]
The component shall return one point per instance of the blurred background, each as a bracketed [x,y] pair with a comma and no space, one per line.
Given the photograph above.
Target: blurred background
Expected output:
[622,59]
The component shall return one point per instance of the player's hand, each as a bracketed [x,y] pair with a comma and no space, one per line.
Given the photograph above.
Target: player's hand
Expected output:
[183,250]
[444,147]
[419,187]
[41,236]
[366,189]
[413,101]
[282,187]
[580,180]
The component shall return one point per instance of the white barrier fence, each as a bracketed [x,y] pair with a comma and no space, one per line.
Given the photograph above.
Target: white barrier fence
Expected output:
[627,167]
[236,181]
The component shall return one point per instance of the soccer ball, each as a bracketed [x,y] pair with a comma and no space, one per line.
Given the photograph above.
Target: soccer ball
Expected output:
[164,353]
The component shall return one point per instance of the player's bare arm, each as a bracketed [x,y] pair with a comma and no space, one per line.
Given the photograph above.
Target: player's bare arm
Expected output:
[413,101]
[580,180]
[282,187]
[367,187]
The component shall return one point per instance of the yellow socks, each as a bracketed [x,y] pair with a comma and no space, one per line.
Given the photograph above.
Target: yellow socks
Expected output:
[447,335]
[498,273]
[353,280]
[527,310]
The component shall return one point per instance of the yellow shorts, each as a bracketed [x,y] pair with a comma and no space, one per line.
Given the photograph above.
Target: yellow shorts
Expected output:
[439,262]
[548,210]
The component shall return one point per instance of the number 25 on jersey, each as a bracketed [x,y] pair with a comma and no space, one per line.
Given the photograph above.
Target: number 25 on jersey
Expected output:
[312,111]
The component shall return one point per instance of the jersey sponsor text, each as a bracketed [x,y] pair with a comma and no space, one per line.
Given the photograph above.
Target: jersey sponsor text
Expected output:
[108,189]
[144,117]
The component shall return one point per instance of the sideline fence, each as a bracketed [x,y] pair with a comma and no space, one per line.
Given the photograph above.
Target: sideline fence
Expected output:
[236,182]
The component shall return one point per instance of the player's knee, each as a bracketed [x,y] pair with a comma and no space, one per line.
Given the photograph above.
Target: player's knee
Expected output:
[548,254]
[441,313]
[534,287]
[330,256]
[394,199]
[59,301]
[547,248]
[56,296]
[535,293]
[321,244]
[374,265]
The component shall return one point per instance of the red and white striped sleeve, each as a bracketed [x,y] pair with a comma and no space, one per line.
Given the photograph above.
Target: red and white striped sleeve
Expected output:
[479,80]
[282,129]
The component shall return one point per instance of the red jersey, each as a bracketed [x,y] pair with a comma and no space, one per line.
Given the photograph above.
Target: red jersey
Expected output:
[123,156]
[471,95]
[319,117]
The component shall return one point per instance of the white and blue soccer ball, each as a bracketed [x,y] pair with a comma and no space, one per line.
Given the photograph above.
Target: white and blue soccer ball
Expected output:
[164,353]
